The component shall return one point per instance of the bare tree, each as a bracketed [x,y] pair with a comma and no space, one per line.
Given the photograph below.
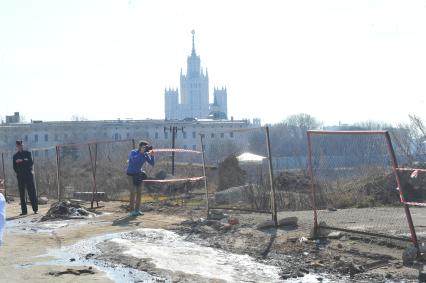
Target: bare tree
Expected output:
[409,140]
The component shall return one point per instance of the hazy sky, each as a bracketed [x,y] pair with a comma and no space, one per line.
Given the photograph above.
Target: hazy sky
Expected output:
[338,60]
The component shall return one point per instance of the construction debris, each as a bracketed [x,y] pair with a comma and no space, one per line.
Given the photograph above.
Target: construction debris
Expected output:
[66,210]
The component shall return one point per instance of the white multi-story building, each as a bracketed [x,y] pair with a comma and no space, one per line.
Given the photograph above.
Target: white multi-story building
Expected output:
[193,101]
[38,134]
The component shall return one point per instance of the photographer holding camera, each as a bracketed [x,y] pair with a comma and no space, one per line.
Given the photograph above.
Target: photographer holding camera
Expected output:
[137,158]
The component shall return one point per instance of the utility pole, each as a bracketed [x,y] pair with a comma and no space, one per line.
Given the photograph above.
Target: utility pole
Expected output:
[173,130]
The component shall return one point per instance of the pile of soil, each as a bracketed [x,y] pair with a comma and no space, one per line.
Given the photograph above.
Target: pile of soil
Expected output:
[66,210]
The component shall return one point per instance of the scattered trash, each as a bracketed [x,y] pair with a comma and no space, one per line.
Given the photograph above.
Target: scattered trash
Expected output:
[66,210]
[72,271]
[302,239]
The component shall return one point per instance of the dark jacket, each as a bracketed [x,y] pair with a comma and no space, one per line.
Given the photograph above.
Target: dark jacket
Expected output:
[25,167]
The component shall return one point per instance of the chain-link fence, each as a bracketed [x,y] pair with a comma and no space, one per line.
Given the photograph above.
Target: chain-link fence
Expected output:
[45,171]
[75,170]
[355,186]
[9,176]
[242,170]
[176,179]
[109,160]
[97,171]
[413,182]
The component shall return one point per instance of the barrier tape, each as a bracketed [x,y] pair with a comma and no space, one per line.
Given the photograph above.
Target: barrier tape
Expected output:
[191,179]
[411,169]
[176,150]
[415,203]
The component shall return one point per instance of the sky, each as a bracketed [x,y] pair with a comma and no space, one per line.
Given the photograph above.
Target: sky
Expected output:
[338,60]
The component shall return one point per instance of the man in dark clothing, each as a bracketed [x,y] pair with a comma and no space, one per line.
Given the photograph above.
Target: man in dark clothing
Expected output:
[23,165]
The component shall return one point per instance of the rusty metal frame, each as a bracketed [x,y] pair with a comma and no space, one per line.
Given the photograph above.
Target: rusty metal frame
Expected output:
[394,163]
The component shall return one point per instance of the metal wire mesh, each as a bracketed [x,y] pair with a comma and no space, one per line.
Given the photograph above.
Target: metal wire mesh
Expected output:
[7,173]
[355,187]
[413,182]
[176,178]
[75,170]
[110,164]
[241,180]
[45,172]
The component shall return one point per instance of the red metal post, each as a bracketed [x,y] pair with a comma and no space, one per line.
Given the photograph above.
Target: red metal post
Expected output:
[311,175]
[401,195]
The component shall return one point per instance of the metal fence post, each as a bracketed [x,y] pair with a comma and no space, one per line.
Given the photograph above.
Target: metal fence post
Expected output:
[205,175]
[93,164]
[58,172]
[271,179]
[398,181]
[311,175]
[34,173]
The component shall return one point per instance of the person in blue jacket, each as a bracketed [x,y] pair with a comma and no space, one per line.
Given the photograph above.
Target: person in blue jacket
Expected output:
[137,158]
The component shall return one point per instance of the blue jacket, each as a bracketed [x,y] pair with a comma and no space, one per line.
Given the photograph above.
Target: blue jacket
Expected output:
[136,161]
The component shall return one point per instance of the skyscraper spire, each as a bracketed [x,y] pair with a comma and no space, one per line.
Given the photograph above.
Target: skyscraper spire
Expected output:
[193,43]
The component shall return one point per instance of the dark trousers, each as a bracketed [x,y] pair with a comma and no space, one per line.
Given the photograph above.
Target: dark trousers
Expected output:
[27,181]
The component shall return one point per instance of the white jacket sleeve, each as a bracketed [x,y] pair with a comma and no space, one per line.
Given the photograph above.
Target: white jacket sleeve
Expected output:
[2,217]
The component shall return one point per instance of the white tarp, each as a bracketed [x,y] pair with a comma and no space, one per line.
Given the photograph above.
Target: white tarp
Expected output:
[248,157]
[2,217]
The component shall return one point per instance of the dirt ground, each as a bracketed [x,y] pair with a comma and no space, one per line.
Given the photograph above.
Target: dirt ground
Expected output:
[22,249]
[345,258]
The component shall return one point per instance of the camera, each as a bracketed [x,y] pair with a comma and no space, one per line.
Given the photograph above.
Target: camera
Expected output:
[147,148]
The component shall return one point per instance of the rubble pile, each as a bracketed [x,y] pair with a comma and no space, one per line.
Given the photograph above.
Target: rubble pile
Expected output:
[66,210]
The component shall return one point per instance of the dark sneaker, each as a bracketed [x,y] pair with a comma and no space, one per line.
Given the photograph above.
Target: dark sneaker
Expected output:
[22,214]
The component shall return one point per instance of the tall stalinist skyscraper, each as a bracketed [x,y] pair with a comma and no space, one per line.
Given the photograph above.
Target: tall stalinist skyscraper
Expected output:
[194,94]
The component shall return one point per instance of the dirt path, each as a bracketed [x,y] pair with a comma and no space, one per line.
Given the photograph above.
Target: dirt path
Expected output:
[27,239]
[22,249]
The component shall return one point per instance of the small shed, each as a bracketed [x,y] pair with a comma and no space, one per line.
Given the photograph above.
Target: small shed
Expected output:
[253,165]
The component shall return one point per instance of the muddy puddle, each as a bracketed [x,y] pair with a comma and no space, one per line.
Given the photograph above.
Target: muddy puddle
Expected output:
[25,226]
[34,225]
[167,256]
